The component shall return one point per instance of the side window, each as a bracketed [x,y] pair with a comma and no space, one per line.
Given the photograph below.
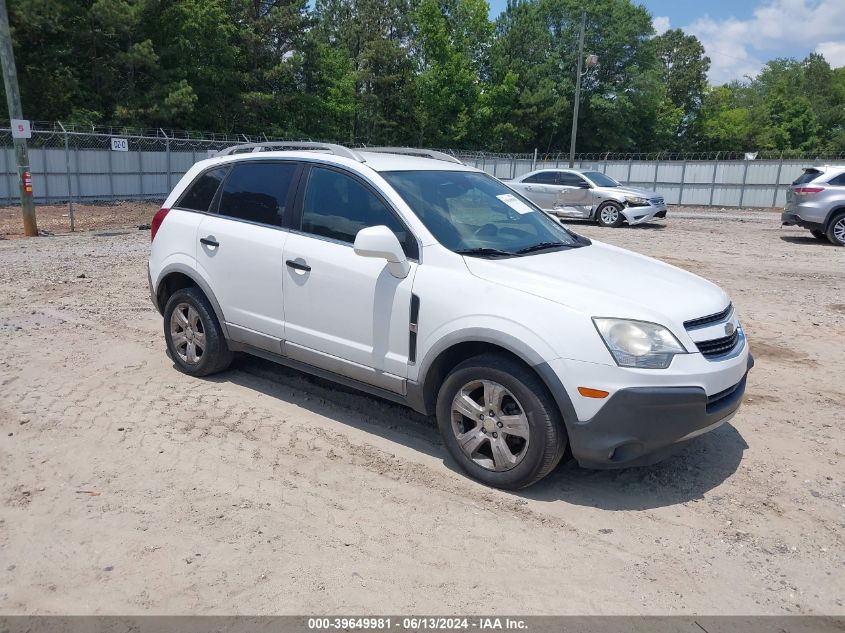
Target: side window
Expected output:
[568,179]
[542,178]
[838,181]
[337,206]
[257,192]
[201,192]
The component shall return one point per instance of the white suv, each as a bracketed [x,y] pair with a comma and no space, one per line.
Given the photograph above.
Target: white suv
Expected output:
[410,276]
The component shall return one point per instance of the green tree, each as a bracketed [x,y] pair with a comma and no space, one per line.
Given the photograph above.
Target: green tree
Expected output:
[451,39]
[375,36]
[537,41]
[683,67]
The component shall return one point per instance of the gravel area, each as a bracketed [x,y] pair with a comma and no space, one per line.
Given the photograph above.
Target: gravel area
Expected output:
[129,488]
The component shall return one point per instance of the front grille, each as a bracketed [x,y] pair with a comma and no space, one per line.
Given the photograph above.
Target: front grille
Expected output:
[657,201]
[710,319]
[718,346]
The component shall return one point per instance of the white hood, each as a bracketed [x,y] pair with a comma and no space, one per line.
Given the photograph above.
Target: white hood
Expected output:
[606,281]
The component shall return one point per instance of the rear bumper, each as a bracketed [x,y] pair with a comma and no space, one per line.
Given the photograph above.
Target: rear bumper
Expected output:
[153,296]
[641,425]
[790,218]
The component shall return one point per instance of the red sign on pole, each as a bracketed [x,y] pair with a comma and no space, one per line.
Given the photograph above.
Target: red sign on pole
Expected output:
[27,182]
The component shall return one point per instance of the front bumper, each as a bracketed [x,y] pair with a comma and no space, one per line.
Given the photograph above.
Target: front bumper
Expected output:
[640,215]
[641,425]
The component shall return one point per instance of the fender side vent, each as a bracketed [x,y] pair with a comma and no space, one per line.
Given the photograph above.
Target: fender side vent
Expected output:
[412,327]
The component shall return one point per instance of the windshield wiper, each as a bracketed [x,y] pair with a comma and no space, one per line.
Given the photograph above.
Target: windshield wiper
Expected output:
[490,252]
[541,247]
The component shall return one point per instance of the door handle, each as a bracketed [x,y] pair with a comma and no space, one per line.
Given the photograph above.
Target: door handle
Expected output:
[298,266]
[209,241]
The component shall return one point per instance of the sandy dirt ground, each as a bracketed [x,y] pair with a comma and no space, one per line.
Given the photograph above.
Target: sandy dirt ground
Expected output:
[55,218]
[129,488]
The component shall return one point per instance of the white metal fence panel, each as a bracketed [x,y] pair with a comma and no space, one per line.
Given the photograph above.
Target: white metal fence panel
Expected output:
[87,166]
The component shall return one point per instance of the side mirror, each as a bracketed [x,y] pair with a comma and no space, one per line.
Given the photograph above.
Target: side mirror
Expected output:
[585,185]
[380,241]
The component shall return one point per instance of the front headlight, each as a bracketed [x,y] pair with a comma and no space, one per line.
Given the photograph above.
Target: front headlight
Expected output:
[639,343]
[637,201]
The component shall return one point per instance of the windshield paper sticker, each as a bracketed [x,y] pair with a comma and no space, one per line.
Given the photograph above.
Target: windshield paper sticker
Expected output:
[515,203]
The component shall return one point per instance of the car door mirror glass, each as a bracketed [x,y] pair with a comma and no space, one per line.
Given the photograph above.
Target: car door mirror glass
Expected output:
[381,242]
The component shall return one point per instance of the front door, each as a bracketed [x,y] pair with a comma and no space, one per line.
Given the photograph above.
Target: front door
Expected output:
[343,312]
[575,195]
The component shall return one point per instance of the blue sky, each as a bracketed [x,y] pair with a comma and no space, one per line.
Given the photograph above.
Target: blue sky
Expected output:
[740,35]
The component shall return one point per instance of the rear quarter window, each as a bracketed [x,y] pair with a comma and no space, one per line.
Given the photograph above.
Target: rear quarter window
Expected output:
[200,193]
[837,181]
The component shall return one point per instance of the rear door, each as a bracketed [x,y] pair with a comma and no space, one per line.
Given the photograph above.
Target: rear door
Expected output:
[240,249]
[541,188]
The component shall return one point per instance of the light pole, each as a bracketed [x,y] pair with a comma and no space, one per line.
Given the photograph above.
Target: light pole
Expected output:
[592,60]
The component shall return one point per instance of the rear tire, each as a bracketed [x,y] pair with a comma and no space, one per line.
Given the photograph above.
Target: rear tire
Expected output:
[610,215]
[819,235]
[194,337]
[523,439]
[836,230]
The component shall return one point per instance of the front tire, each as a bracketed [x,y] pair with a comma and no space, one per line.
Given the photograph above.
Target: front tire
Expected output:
[194,337]
[610,215]
[499,422]
[836,230]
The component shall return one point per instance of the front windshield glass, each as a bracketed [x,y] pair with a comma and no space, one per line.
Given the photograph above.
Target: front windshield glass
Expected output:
[474,214]
[600,179]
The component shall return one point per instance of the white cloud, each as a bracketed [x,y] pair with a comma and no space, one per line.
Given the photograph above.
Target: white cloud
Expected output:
[661,24]
[833,52]
[738,47]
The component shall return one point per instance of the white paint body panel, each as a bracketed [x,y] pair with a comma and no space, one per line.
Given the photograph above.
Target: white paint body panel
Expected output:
[245,272]
[350,307]
[347,305]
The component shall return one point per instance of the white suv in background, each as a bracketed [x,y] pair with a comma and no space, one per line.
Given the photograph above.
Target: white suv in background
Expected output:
[410,276]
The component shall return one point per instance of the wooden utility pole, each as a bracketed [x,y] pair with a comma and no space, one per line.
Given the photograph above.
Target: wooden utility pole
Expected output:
[578,76]
[13,98]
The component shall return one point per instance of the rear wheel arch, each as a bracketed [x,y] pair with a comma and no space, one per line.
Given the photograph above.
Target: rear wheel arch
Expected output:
[832,215]
[179,277]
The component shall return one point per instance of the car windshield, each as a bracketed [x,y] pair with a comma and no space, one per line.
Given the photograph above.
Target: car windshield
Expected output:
[600,179]
[472,213]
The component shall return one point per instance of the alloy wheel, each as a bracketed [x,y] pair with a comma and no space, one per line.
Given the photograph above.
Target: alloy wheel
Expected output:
[839,230]
[609,214]
[490,425]
[187,333]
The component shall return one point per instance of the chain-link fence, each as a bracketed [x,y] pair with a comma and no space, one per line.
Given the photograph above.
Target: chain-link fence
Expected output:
[73,164]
